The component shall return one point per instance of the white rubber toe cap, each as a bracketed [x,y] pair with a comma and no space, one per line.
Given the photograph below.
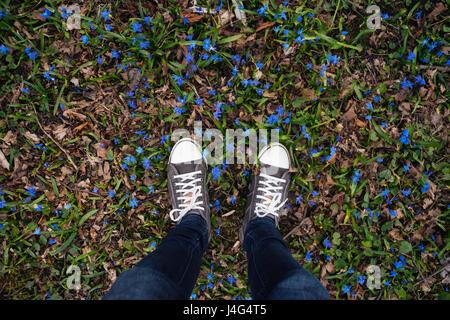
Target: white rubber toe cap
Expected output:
[275,155]
[185,150]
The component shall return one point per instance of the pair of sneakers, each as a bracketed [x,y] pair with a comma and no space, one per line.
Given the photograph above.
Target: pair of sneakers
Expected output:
[189,194]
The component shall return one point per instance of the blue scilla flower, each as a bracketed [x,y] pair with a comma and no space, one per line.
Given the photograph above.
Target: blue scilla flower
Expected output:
[405,137]
[47,13]
[4,49]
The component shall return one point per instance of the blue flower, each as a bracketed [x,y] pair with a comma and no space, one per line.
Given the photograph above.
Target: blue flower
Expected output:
[134,203]
[4,49]
[31,55]
[406,192]
[425,187]
[308,256]
[189,57]
[305,133]
[405,137]
[105,14]
[406,167]
[146,163]
[111,193]
[47,13]
[85,39]
[399,264]
[178,79]
[356,176]
[199,101]
[327,243]
[262,11]
[333,59]
[385,192]
[147,20]
[411,56]
[144,44]
[420,80]
[231,279]
[346,289]
[216,172]
[37,231]
[31,191]
[406,83]
[136,27]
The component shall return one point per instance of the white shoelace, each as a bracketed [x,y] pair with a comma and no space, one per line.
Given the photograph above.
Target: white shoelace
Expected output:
[271,199]
[190,193]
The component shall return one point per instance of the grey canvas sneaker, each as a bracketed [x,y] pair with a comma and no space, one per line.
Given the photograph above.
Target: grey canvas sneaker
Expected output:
[186,180]
[269,188]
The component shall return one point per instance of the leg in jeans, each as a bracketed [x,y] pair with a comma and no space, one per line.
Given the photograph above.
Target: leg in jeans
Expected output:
[171,270]
[272,271]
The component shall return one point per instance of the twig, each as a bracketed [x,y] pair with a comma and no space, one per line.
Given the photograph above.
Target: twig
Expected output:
[418,269]
[438,68]
[51,138]
[294,229]
[433,274]
[80,190]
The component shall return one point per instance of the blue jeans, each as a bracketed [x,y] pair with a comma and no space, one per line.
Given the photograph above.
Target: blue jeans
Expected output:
[171,270]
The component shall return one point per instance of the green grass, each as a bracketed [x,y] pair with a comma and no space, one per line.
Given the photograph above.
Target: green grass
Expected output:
[70,137]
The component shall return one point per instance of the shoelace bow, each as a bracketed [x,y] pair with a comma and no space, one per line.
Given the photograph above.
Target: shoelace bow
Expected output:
[271,199]
[190,193]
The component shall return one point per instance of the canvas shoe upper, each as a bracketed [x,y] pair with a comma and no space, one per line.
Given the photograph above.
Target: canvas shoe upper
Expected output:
[269,188]
[186,179]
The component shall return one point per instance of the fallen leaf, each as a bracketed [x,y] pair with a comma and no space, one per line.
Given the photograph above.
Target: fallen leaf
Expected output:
[438,9]
[69,113]
[191,17]
[101,151]
[264,25]
[31,136]
[80,127]
[359,123]
[3,161]
[60,132]
[10,138]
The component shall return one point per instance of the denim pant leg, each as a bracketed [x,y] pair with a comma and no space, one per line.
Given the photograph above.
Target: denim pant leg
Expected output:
[171,270]
[272,271]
